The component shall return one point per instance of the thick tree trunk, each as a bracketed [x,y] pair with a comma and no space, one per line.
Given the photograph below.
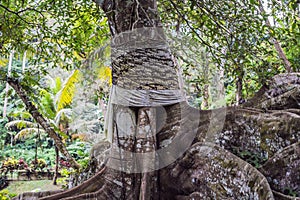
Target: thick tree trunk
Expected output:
[138,65]
[30,107]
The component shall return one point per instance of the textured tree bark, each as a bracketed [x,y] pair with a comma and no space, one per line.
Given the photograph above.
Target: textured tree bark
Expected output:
[145,67]
[205,94]
[30,107]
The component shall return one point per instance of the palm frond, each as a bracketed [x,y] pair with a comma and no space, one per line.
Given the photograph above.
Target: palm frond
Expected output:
[20,124]
[65,96]
[66,112]
[27,132]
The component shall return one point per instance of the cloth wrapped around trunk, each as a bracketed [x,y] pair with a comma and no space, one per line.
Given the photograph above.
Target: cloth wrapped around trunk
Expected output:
[138,98]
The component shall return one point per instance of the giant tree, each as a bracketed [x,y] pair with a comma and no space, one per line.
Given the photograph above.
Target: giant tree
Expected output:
[164,149]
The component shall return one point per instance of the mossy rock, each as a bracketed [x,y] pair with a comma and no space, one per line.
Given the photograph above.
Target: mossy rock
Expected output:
[283,171]
[208,171]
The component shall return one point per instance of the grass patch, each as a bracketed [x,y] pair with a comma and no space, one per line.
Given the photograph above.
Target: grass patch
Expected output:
[18,187]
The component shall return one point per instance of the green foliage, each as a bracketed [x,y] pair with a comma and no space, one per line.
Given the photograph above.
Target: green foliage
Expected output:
[4,136]
[253,158]
[26,151]
[47,104]
[79,150]
[236,39]
[63,180]
[6,195]
[11,156]
[59,30]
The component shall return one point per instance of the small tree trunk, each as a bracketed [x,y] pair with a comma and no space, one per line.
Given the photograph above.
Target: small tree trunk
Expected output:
[56,166]
[36,151]
[239,91]
[205,94]
[239,86]
[37,142]
[7,85]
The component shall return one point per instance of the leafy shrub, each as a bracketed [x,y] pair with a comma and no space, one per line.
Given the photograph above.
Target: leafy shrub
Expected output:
[10,164]
[41,164]
[5,195]
[84,162]
[65,174]
[22,164]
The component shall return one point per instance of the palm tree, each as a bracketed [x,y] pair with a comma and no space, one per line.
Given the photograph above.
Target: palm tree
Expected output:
[56,106]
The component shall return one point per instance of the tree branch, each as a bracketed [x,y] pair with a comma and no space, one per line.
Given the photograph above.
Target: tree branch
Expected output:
[15,13]
[195,32]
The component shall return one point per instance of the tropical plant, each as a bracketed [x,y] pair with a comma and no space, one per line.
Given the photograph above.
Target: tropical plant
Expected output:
[53,102]
[28,130]
[56,105]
